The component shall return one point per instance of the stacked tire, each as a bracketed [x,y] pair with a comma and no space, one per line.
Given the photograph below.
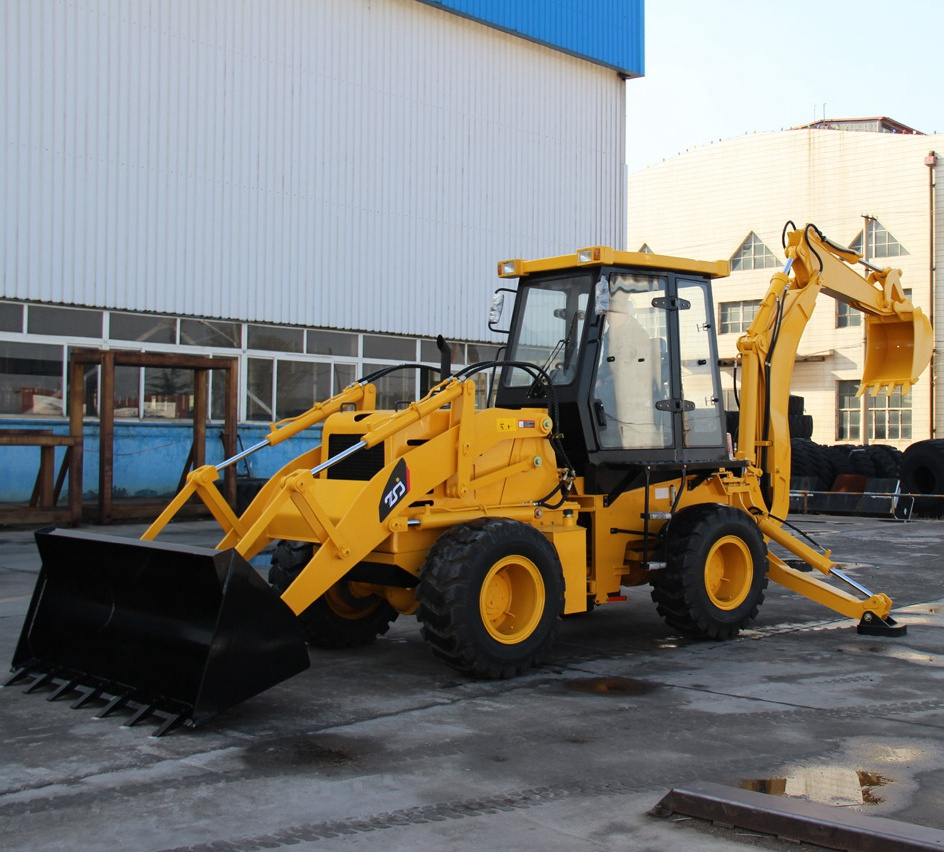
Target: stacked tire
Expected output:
[823,464]
[922,473]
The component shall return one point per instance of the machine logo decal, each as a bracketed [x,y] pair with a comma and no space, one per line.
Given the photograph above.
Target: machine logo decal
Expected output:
[397,487]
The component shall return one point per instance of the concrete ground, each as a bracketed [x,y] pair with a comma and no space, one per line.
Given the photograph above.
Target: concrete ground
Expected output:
[384,747]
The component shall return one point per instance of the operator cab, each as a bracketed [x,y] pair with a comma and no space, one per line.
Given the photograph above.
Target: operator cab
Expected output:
[627,353]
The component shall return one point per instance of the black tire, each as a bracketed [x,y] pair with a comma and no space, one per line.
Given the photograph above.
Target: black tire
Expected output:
[887,461]
[801,425]
[800,463]
[922,472]
[839,460]
[821,458]
[862,462]
[715,575]
[339,618]
[246,490]
[473,580]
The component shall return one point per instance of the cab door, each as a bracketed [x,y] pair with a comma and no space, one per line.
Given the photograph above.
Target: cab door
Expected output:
[702,411]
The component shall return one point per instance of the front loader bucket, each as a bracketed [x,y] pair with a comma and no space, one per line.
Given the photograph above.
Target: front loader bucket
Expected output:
[897,349]
[184,632]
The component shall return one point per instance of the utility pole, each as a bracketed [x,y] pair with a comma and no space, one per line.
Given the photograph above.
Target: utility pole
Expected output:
[868,220]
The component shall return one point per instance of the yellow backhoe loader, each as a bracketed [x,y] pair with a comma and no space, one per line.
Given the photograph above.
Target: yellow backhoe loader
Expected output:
[603,463]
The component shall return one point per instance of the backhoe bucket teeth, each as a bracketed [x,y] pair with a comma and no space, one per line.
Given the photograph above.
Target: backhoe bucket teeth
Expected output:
[897,351]
[180,631]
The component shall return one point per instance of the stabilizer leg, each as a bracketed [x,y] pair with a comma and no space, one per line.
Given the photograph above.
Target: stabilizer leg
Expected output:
[872,625]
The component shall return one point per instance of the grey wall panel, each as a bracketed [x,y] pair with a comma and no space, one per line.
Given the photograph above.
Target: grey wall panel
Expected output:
[322,162]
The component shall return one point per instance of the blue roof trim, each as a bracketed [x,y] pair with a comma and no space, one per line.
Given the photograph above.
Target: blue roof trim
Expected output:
[607,32]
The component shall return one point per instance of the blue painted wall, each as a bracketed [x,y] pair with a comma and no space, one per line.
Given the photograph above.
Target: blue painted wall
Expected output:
[148,457]
[608,32]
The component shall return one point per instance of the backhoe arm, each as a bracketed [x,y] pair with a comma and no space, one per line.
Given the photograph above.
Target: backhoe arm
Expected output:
[898,346]
[899,342]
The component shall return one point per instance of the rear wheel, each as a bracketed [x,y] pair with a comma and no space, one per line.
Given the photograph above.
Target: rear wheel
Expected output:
[342,617]
[715,575]
[491,593]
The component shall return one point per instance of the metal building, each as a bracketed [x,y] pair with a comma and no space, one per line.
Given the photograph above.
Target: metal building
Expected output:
[313,186]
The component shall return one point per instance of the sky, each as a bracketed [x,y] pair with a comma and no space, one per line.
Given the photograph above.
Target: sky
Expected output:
[715,70]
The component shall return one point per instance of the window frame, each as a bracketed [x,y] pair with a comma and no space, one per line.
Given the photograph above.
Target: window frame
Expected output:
[742,323]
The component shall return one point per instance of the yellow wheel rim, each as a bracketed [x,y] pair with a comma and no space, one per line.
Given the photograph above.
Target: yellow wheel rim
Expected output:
[351,601]
[729,572]
[512,599]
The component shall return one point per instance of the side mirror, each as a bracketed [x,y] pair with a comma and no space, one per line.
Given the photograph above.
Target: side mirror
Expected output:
[497,310]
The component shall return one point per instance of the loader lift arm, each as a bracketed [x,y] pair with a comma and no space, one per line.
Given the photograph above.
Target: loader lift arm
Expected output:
[899,343]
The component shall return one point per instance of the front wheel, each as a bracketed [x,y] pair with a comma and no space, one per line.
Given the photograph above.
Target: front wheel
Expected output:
[341,617]
[491,593]
[715,575]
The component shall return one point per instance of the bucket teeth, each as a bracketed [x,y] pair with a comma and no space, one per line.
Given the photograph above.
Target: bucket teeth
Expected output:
[91,695]
[168,714]
[63,688]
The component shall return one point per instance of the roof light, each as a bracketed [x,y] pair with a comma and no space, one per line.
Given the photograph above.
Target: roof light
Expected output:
[510,268]
[589,255]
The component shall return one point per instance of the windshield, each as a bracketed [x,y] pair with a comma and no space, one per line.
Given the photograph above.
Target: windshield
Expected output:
[550,328]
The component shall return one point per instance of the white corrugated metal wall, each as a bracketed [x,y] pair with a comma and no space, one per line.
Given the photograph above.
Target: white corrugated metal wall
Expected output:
[343,163]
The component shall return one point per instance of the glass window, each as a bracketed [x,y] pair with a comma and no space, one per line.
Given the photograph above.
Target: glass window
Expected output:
[396,388]
[64,322]
[332,343]
[344,375]
[888,419]
[736,317]
[11,317]
[848,412]
[550,330]
[200,332]
[259,390]
[276,338]
[881,242]
[890,416]
[429,351]
[142,327]
[753,254]
[168,393]
[31,379]
[479,352]
[90,389]
[299,385]
[217,394]
[702,426]
[847,316]
[127,391]
[389,348]
[633,371]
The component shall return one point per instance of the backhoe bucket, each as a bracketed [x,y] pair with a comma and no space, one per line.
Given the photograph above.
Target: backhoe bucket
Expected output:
[897,349]
[184,632]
